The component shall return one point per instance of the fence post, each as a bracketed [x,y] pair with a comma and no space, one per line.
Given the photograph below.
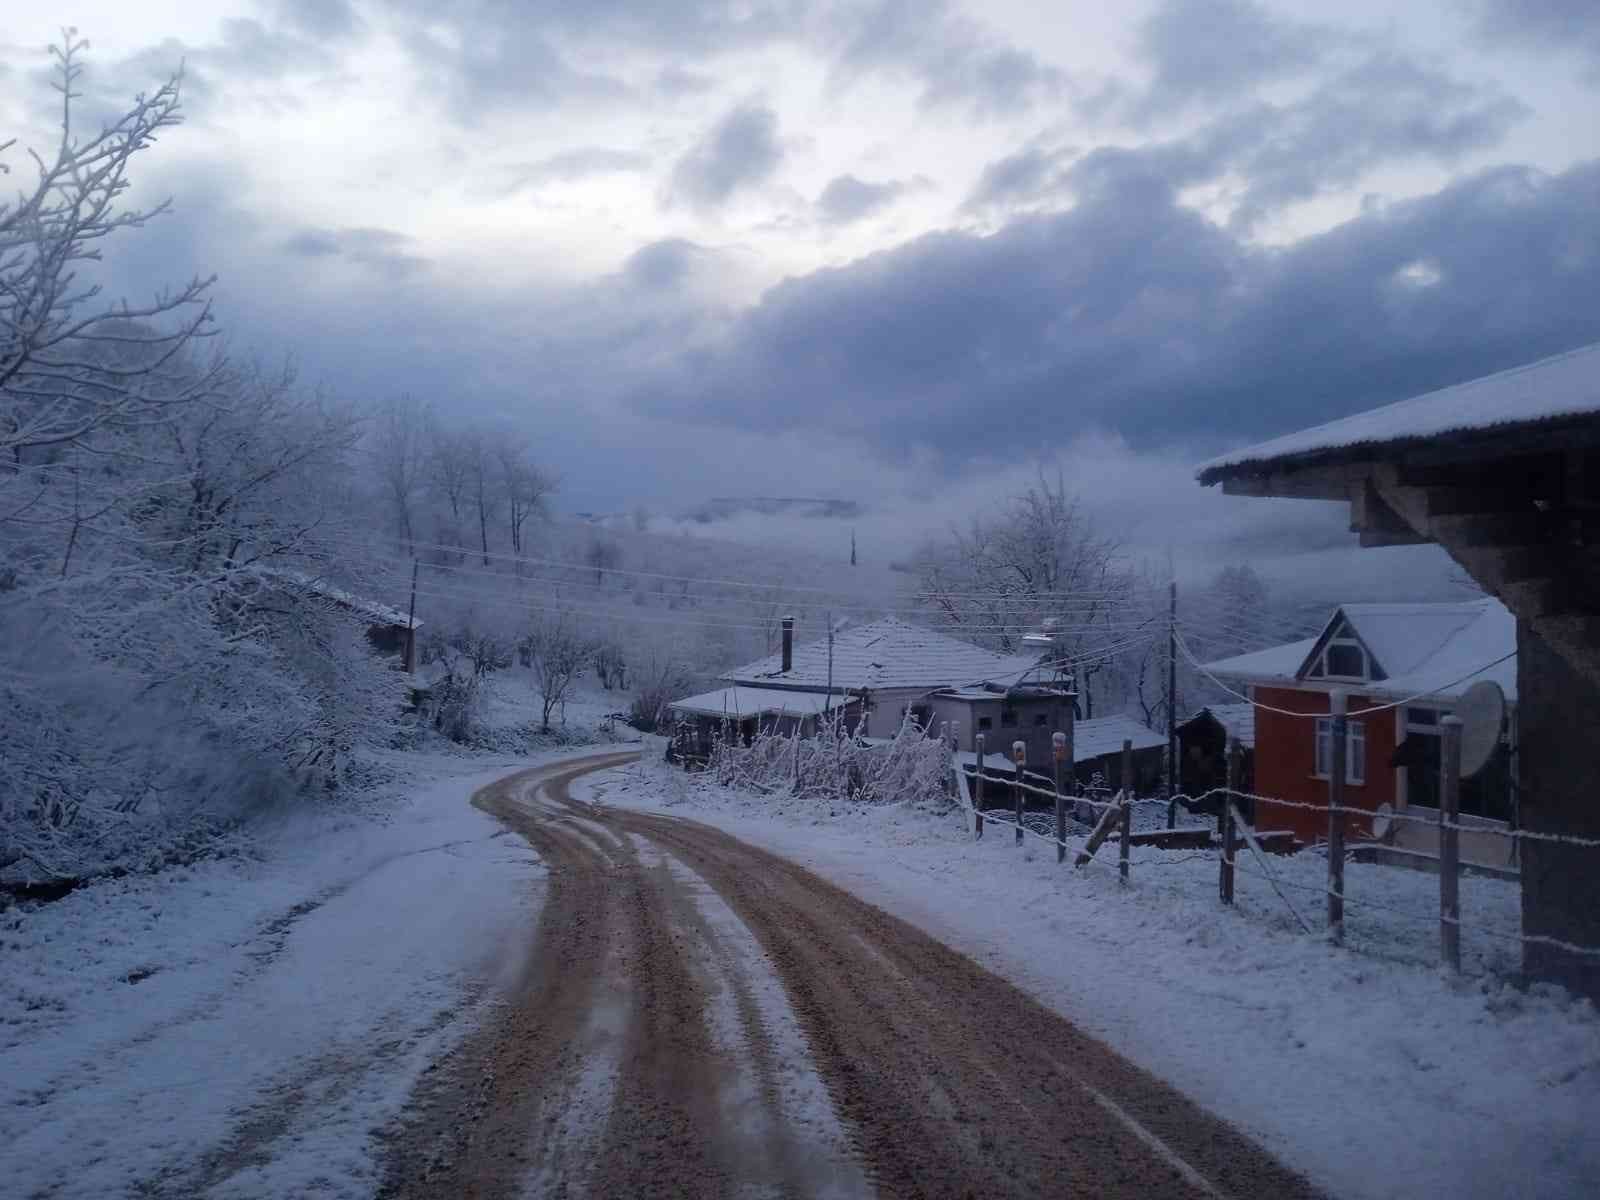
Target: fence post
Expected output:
[1058,750]
[977,788]
[1225,876]
[1019,755]
[1127,808]
[1340,729]
[1450,843]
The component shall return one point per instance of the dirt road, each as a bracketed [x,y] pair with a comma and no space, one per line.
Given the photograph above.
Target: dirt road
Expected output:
[698,1017]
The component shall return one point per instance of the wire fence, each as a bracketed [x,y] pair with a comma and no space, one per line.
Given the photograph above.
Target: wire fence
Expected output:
[980,791]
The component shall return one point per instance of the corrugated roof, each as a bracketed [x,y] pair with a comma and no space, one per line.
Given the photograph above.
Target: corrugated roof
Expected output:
[1425,649]
[886,654]
[1100,736]
[1563,386]
[752,701]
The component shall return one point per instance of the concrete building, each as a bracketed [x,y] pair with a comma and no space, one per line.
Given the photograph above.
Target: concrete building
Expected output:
[1503,473]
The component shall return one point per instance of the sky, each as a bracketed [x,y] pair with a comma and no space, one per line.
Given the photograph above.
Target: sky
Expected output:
[895,250]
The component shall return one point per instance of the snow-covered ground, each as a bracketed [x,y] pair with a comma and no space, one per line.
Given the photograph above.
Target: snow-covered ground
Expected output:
[1371,1070]
[211,1030]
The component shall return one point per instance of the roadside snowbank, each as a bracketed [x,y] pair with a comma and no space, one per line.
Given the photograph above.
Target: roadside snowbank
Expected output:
[1376,1074]
[244,1027]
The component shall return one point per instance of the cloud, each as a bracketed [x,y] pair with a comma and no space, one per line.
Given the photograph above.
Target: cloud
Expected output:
[1029,176]
[1134,313]
[1212,50]
[675,82]
[327,19]
[739,151]
[957,61]
[381,249]
[1563,26]
[580,162]
[664,264]
[848,199]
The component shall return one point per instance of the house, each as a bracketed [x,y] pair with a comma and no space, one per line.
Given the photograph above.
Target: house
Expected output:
[1503,474]
[1411,664]
[1097,752]
[873,675]
[1203,747]
[389,631]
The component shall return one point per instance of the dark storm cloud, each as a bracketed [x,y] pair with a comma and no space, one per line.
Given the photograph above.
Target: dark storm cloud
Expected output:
[581,162]
[1211,50]
[381,249]
[1564,26]
[1383,109]
[664,264]
[1134,313]
[740,150]
[848,199]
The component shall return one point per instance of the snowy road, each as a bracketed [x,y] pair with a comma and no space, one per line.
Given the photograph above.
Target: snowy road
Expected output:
[699,1017]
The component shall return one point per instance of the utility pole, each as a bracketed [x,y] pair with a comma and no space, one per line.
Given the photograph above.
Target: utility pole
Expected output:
[1173,781]
[852,547]
[411,624]
[830,658]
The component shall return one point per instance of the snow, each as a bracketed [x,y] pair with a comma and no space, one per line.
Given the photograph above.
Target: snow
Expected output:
[886,654]
[1099,736]
[1565,385]
[1366,1067]
[1426,650]
[750,701]
[210,1029]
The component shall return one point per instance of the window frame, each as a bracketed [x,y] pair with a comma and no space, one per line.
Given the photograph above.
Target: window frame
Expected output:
[1355,754]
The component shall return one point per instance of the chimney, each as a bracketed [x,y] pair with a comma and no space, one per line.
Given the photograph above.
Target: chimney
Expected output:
[788,644]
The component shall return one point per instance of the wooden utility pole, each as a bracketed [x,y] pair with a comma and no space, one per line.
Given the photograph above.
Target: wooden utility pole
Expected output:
[977,788]
[1019,755]
[1173,774]
[411,624]
[1058,752]
[1340,730]
[1229,846]
[1450,843]
[1127,809]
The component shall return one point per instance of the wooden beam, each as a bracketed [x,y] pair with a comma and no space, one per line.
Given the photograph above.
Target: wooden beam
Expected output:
[1311,483]
[1378,523]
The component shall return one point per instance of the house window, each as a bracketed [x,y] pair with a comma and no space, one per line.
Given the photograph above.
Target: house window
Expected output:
[1487,794]
[1008,717]
[1355,751]
[1040,720]
[1344,657]
[985,722]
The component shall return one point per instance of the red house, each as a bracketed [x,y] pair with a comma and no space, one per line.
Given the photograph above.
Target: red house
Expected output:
[1403,666]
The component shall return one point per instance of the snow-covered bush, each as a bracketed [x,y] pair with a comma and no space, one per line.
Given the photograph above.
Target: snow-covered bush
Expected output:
[837,764]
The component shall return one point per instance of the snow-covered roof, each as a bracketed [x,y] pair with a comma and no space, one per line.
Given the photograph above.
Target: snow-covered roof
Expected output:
[1429,650]
[1100,736]
[1564,386]
[755,701]
[887,654]
[318,586]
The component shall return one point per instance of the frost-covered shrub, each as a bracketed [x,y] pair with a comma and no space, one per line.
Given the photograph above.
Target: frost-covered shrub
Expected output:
[837,764]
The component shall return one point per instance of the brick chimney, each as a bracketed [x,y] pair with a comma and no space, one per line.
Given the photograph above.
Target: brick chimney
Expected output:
[788,644]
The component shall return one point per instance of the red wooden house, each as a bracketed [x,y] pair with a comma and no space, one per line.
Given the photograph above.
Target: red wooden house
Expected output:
[1403,667]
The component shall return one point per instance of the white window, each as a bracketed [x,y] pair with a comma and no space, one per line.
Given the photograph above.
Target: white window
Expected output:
[1355,750]
[1344,657]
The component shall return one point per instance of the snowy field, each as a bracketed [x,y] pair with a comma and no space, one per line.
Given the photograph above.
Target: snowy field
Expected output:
[1368,1068]
[194,1031]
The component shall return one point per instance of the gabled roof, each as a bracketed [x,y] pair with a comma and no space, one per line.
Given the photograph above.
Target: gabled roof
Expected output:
[885,654]
[754,702]
[1100,736]
[382,614]
[1563,387]
[1437,650]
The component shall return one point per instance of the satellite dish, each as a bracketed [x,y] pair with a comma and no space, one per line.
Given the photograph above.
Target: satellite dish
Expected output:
[1482,711]
[1382,820]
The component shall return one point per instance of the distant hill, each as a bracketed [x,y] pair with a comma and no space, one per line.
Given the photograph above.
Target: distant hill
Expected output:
[723,508]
